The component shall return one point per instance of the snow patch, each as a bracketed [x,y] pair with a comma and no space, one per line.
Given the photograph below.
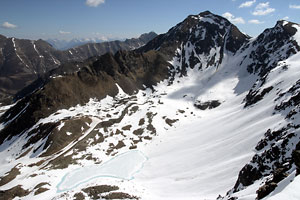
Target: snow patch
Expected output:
[15,48]
[60,126]
[284,23]
[57,62]
[34,46]
[297,35]
[68,133]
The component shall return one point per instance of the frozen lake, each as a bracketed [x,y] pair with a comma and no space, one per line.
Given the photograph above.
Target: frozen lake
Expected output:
[123,166]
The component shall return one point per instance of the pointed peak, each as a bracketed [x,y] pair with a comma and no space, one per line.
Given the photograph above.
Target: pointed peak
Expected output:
[205,13]
[151,33]
[202,30]
[206,17]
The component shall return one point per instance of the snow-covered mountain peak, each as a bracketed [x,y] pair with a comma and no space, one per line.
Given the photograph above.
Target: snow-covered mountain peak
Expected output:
[212,18]
[199,41]
[205,31]
[215,26]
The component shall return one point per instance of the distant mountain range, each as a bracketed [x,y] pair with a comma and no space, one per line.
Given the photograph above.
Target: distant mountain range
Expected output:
[23,61]
[67,44]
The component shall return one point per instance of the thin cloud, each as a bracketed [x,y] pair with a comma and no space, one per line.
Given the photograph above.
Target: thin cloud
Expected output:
[64,32]
[100,36]
[255,21]
[286,18]
[294,6]
[247,4]
[263,9]
[233,19]
[94,3]
[8,25]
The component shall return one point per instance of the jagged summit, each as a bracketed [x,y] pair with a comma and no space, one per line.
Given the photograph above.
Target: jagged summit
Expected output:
[205,30]
[273,45]
[146,37]
[283,28]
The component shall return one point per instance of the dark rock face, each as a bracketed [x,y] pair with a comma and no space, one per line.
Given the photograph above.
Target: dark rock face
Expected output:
[96,191]
[266,189]
[14,192]
[207,105]
[292,105]
[23,61]
[63,70]
[296,158]
[255,96]
[273,45]
[247,176]
[270,185]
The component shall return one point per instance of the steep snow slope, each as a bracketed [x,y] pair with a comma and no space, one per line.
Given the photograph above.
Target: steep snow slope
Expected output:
[201,159]
[211,128]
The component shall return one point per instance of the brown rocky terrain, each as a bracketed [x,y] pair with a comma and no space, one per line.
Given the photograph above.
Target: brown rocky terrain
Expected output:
[22,61]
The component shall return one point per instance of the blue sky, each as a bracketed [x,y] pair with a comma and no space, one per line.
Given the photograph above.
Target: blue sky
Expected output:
[66,19]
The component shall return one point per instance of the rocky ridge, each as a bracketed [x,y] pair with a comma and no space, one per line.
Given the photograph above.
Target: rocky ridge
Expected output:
[23,61]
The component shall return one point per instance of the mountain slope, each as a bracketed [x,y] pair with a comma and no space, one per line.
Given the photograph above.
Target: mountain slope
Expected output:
[23,61]
[201,112]
[85,51]
[65,45]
